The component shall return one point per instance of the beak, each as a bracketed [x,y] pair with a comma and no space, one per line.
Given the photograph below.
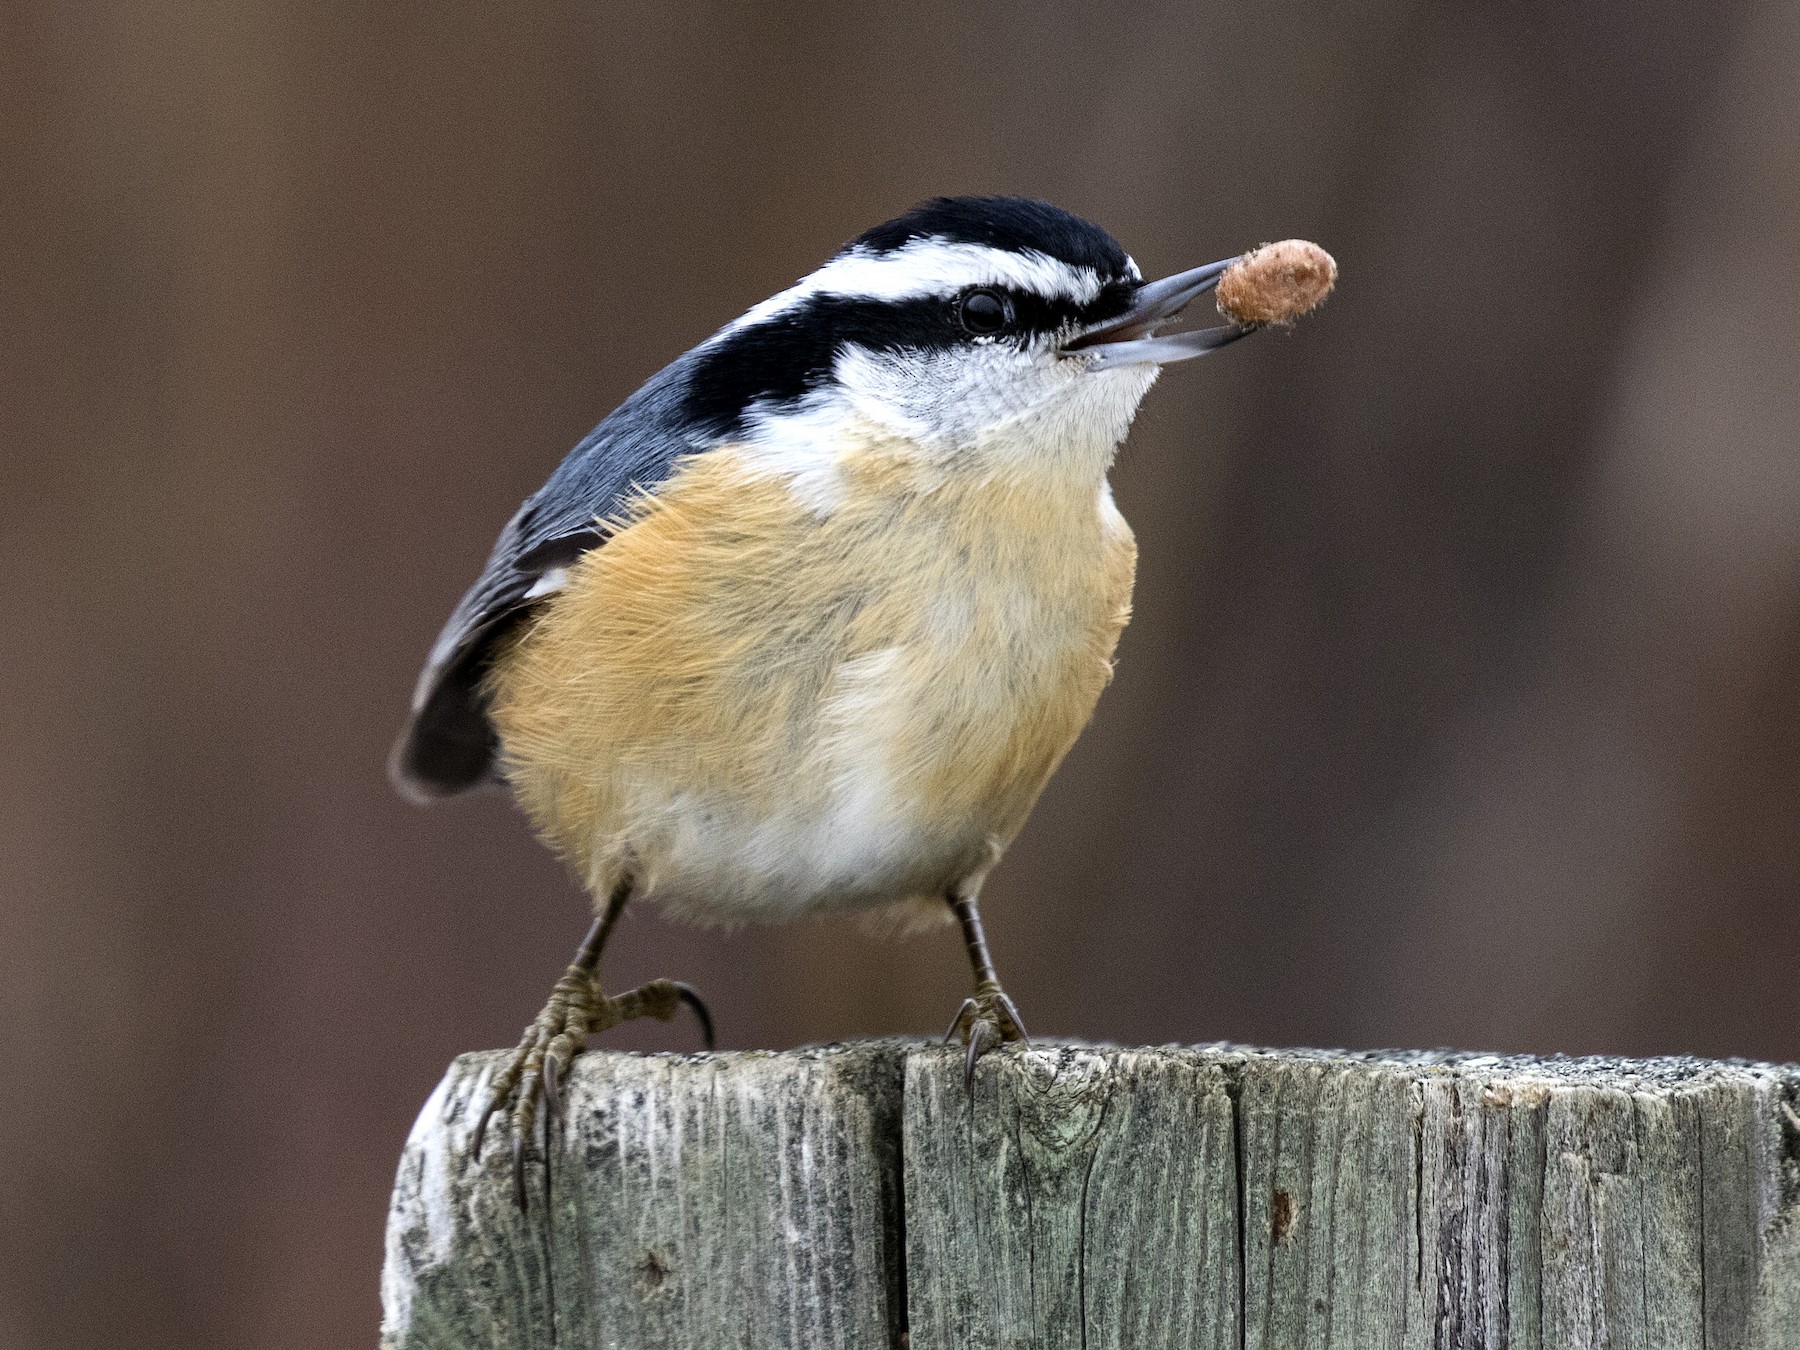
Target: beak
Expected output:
[1130,338]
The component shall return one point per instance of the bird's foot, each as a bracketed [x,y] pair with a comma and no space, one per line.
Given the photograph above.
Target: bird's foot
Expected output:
[577,1008]
[987,1019]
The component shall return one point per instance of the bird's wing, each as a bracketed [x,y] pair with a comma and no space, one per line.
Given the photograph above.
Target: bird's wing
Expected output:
[448,745]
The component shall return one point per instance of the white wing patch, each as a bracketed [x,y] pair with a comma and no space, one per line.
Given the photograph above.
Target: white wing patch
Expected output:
[549,583]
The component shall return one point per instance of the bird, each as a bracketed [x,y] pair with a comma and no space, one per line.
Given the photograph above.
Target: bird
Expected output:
[810,619]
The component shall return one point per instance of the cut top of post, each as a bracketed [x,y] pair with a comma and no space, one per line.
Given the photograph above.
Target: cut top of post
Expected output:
[1210,1196]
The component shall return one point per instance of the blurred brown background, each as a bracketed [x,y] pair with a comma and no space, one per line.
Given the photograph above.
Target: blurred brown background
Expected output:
[1462,705]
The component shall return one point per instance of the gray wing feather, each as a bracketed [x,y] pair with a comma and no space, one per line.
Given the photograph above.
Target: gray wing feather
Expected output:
[448,745]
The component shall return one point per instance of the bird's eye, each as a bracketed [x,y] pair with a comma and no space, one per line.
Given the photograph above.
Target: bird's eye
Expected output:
[983,312]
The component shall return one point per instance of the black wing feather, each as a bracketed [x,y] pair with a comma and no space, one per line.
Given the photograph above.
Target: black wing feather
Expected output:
[448,745]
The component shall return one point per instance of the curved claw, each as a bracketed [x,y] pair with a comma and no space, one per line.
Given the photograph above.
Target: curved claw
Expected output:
[983,1037]
[688,995]
[537,1074]
[967,1011]
[552,1076]
[499,1094]
[1011,1010]
[481,1129]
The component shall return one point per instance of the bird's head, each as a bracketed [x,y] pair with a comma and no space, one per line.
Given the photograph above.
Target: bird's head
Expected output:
[979,329]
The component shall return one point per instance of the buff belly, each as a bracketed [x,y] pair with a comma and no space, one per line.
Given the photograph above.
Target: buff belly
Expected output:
[755,710]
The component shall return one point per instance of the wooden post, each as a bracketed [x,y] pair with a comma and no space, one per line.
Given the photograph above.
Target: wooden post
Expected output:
[1211,1197]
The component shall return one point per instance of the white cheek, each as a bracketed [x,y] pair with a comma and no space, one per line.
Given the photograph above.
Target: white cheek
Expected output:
[900,392]
[944,401]
[1006,408]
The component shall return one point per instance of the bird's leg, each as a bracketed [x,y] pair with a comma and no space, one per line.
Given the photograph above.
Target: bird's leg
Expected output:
[989,1017]
[576,1008]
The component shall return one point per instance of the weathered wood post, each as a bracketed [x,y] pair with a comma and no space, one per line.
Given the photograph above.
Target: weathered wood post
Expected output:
[1210,1197]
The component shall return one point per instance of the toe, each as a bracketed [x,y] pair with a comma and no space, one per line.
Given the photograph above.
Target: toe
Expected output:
[487,1114]
[1011,1021]
[983,1037]
[965,1018]
[697,1005]
[554,1064]
[536,1072]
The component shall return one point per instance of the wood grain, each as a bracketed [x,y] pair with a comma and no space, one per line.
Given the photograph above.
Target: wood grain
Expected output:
[1185,1197]
[703,1201]
[1077,1198]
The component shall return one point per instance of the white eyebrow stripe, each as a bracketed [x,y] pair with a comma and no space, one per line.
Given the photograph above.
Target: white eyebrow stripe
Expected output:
[931,266]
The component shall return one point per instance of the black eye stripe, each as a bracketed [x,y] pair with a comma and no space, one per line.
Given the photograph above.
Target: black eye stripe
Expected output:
[1036,313]
[782,359]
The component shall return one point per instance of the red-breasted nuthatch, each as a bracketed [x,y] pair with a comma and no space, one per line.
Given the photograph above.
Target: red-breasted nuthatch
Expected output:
[811,618]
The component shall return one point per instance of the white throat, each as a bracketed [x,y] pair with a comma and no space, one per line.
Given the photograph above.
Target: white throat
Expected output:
[958,415]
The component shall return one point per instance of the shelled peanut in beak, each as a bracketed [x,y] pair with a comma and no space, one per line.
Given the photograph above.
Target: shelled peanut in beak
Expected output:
[1277,283]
